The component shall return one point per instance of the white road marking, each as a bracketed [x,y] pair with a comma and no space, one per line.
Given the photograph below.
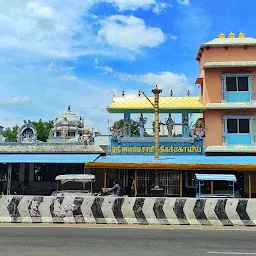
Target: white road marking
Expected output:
[233,253]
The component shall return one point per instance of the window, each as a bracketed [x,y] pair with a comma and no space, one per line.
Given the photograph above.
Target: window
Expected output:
[58,134]
[71,134]
[235,84]
[238,125]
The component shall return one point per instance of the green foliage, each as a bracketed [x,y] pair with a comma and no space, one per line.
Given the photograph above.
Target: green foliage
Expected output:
[135,129]
[11,133]
[43,128]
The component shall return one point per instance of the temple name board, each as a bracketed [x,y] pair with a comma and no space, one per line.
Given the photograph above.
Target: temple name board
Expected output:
[181,147]
[162,149]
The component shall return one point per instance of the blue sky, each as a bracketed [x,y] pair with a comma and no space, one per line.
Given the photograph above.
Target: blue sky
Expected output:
[56,53]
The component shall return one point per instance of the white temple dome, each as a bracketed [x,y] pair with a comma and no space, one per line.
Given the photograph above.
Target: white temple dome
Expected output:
[69,119]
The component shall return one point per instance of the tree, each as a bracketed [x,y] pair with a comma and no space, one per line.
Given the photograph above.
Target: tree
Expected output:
[43,128]
[135,129]
[11,133]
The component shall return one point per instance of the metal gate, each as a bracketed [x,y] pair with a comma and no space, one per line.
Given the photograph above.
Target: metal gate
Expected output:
[145,180]
[168,180]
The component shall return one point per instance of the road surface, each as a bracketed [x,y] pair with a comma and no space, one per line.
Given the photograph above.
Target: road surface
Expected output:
[100,241]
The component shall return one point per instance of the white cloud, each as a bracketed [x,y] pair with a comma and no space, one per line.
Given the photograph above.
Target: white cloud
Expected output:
[47,28]
[132,4]
[185,2]
[16,101]
[124,5]
[159,7]
[166,81]
[130,32]
[105,69]
[173,37]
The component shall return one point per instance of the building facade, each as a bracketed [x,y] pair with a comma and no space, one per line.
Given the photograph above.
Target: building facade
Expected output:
[217,128]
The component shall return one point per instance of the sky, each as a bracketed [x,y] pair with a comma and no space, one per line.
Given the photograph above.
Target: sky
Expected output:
[56,53]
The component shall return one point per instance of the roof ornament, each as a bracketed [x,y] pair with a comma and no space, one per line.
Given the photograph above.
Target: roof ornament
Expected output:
[241,35]
[123,93]
[188,93]
[171,93]
[69,108]
[231,35]
[139,93]
[221,35]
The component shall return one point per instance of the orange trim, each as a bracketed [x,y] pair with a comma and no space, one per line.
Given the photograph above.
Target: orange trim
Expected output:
[242,167]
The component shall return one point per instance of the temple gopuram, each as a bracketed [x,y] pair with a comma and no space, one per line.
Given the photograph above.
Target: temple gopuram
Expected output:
[216,134]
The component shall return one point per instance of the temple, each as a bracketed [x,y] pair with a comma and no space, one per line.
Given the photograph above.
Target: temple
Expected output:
[215,134]
[34,164]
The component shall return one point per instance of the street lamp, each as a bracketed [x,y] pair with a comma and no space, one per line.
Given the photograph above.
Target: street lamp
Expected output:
[155,105]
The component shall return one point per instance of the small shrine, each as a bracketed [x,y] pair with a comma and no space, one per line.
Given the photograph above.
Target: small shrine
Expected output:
[70,128]
[27,134]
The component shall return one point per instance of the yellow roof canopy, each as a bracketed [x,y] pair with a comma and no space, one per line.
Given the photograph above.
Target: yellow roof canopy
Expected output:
[166,105]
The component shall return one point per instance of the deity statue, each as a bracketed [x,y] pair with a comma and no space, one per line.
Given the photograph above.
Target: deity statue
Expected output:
[198,130]
[117,131]
[142,121]
[170,125]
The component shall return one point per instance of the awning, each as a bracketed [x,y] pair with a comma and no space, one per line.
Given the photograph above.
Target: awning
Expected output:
[48,158]
[176,162]
[224,177]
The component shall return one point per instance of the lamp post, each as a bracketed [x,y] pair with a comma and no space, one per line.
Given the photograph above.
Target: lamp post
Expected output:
[155,105]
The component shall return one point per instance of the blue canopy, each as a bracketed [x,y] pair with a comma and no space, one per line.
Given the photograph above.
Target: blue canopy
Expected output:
[224,177]
[48,158]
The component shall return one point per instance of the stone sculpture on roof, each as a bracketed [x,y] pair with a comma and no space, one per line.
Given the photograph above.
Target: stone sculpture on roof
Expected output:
[70,128]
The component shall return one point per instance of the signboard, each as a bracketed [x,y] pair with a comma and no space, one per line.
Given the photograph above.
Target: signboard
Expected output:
[164,147]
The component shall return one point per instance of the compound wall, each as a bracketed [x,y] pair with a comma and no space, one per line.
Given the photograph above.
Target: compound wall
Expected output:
[128,210]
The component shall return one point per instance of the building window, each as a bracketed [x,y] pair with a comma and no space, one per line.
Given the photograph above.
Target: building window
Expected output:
[237,88]
[190,179]
[238,130]
[235,84]
[58,134]
[238,125]
[71,134]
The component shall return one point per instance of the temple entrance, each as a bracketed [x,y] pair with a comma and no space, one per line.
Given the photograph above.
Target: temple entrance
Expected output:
[168,180]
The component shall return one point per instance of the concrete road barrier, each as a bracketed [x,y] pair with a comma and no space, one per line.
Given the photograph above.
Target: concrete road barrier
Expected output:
[128,210]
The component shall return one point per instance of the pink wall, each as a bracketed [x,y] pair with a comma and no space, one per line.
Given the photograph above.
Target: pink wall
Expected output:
[212,82]
[213,121]
[232,54]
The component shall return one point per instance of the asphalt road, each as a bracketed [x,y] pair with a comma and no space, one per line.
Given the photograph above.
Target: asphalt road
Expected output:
[76,241]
